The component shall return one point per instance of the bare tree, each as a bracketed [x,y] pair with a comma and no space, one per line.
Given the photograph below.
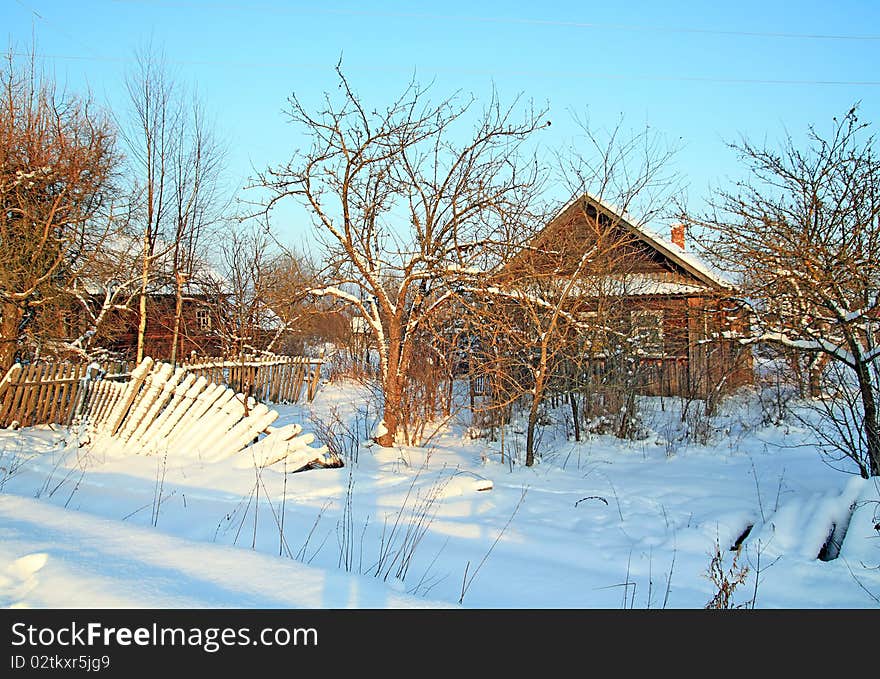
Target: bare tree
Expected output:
[563,294]
[151,138]
[177,163]
[241,291]
[100,296]
[57,156]
[196,167]
[260,296]
[804,236]
[403,207]
[289,278]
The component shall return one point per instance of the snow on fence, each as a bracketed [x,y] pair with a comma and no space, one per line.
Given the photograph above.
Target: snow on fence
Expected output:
[157,410]
[269,379]
[41,393]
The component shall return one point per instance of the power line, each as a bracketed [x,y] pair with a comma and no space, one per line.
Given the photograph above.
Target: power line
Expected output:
[583,75]
[501,20]
[53,26]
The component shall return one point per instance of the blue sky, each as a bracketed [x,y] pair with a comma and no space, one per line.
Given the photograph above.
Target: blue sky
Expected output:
[699,73]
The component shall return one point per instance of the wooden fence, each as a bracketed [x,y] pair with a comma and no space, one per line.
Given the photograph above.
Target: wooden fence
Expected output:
[157,409]
[51,393]
[272,379]
[42,393]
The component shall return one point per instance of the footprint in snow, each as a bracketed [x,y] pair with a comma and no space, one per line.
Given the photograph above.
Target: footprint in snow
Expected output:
[19,578]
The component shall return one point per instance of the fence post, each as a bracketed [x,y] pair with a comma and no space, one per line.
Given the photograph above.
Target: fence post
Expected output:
[12,377]
[85,390]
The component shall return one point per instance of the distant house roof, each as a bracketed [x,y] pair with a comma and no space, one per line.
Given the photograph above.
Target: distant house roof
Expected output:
[638,285]
[122,254]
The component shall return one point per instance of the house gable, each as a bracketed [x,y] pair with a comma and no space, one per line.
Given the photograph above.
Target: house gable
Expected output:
[650,263]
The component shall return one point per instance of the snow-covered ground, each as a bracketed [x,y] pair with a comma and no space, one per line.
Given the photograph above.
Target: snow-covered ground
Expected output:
[598,524]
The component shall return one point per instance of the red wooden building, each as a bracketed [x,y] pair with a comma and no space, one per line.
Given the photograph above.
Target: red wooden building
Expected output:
[677,310]
[199,326]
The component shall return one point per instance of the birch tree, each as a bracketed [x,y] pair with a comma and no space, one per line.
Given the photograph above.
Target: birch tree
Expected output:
[404,199]
[196,166]
[176,163]
[151,137]
[803,234]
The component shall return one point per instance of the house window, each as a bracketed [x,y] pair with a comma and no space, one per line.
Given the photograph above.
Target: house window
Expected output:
[647,331]
[203,318]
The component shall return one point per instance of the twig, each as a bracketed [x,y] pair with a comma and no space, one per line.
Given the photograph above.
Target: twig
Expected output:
[302,550]
[591,497]
[467,582]
[256,510]
[669,580]
[758,489]
[283,504]
[873,596]
[246,509]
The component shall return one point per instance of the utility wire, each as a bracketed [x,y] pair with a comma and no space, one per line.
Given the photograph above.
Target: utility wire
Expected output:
[497,20]
[487,72]
[55,27]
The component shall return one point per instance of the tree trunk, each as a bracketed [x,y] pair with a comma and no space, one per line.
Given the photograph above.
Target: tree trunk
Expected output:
[541,379]
[142,305]
[142,326]
[392,382]
[575,416]
[391,411]
[869,406]
[817,372]
[530,432]
[178,311]
[9,329]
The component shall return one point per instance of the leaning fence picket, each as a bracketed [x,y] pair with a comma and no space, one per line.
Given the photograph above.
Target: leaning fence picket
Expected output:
[7,391]
[174,409]
[132,388]
[183,408]
[165,392]
[242,433]
[215,422]
[202,404]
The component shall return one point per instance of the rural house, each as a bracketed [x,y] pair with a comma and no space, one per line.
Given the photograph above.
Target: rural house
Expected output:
[199,324]
[675,311]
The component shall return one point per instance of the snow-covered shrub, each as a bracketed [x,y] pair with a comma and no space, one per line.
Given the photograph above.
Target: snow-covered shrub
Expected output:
[777,386]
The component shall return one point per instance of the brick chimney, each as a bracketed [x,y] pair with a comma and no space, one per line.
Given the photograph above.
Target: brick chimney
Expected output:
[678,232]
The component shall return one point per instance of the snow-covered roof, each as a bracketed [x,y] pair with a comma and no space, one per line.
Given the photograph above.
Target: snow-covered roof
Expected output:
[637,285]
[686,260]
[124,251]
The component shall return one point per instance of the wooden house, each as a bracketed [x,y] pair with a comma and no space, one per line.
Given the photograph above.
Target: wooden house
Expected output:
[199,324]
[675,311]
